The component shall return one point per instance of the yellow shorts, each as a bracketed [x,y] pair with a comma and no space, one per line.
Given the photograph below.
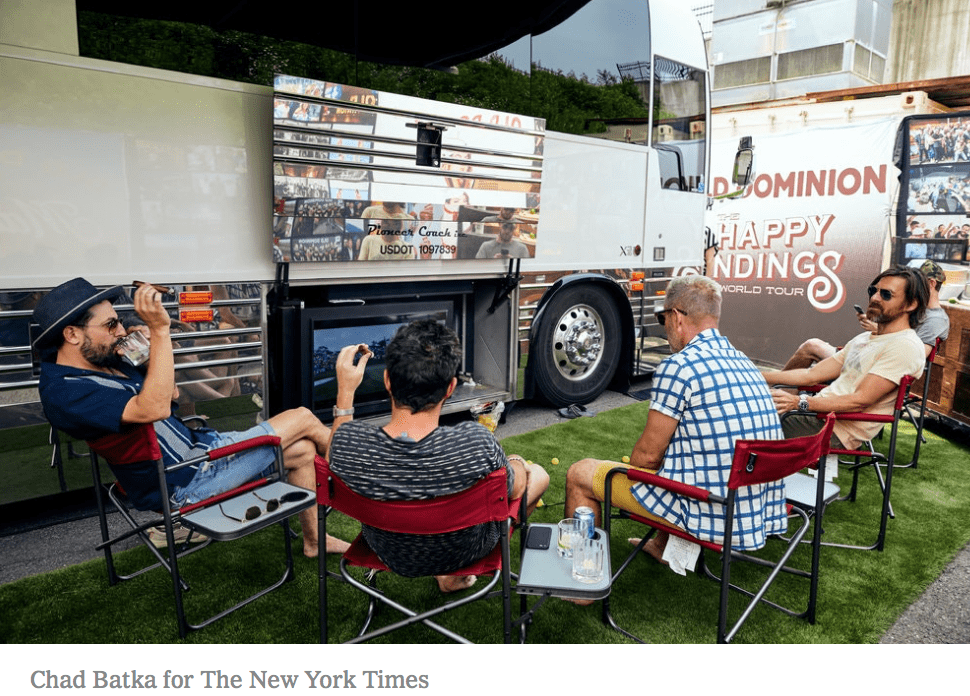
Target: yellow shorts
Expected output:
[621,497]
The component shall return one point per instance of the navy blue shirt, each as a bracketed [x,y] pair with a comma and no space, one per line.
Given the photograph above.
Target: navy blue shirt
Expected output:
[88,405]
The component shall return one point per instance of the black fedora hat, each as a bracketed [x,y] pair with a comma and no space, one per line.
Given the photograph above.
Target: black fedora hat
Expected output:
[64,304]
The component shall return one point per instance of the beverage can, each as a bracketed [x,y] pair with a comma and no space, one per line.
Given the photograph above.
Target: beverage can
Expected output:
[587,521]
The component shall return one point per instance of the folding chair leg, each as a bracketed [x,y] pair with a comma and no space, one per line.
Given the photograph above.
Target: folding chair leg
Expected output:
[99,494]
[177,583]
[607,613]
[372,607]
[414,617]
[526,614]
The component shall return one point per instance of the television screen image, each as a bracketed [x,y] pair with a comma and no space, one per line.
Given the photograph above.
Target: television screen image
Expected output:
[331,334]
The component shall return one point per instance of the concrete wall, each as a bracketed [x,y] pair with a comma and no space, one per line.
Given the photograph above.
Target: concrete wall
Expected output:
[747,31]
[929,39]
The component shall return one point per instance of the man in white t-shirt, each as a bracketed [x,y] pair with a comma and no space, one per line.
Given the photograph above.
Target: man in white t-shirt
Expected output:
[865,374]
[935,324]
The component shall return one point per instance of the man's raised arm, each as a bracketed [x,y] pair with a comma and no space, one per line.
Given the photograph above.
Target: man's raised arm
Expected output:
[154,401]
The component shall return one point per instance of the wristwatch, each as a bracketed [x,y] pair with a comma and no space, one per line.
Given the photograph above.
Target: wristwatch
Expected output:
[338,412]
[803,402]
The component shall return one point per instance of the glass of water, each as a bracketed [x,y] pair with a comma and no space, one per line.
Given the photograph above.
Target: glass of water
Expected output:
[588,560]
[569,535]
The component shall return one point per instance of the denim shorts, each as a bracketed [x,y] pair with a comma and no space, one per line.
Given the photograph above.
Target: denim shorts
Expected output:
[229,472]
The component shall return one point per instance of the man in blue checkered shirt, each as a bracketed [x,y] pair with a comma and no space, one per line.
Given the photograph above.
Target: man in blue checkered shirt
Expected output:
[704,397]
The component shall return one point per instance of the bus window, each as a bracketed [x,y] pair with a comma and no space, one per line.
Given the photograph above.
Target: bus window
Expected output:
[680,119]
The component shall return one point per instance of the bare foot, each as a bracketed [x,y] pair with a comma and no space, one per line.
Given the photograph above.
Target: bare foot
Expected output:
[335,545]
[311,549]
[454,583]
[654,547]
[581,602]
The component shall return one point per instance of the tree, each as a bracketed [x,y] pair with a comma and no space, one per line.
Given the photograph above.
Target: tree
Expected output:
[566,102]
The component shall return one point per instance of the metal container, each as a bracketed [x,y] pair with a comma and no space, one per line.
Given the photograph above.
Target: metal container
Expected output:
[587,521]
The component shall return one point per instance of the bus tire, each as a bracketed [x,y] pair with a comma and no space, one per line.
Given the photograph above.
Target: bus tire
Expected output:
[576,346]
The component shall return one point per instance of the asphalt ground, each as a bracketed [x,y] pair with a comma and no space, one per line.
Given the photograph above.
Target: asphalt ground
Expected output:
[940,616]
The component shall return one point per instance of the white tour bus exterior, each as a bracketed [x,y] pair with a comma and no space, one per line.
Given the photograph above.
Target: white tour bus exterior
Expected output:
[256,205]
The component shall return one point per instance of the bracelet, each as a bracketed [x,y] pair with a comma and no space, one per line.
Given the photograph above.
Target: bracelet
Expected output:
[338,412]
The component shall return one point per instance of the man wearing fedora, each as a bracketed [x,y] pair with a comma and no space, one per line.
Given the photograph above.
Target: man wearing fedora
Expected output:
[87,391]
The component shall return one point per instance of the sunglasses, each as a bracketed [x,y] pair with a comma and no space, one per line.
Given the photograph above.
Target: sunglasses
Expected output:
[112,324]
[885,294]
[272,505]
[662,315]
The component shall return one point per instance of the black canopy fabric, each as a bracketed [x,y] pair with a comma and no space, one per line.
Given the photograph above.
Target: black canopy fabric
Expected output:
[428,33]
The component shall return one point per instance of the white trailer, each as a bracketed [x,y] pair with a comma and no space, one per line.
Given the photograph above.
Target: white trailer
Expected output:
[798,250]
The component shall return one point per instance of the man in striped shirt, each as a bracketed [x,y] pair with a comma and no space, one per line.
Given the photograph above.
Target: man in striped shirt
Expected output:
[88,392]
[415,458]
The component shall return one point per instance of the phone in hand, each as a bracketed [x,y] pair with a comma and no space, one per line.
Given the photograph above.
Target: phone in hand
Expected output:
[858,309]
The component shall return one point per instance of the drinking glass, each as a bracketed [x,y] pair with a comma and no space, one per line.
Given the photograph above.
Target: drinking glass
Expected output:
[135,347]
[588,560]
[569,535]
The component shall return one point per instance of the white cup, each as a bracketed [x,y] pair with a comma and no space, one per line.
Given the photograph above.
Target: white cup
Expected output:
[135,348]
[588,560]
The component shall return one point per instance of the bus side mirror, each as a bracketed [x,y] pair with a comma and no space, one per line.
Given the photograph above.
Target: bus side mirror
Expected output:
[744,163]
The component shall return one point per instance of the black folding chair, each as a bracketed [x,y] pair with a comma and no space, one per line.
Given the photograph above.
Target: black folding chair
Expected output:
[755,462]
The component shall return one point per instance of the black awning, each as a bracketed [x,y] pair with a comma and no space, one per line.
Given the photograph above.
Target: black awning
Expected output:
[431,33]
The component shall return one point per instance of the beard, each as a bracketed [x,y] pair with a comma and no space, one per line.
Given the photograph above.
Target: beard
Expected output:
[101,356]
[880,317]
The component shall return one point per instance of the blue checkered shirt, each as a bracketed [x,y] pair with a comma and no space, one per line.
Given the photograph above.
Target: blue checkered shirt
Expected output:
[717,396]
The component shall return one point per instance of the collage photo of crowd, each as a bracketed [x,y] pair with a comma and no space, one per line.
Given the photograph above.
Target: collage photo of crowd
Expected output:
[937,187]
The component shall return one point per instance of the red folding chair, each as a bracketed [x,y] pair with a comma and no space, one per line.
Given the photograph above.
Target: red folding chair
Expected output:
[912,402]
[486,501]
[867,457]
[251,507]
[755,462]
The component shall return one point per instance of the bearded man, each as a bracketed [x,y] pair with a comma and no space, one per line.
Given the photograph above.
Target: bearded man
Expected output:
[865,374]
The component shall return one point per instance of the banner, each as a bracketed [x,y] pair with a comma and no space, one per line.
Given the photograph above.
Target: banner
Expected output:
[799,248]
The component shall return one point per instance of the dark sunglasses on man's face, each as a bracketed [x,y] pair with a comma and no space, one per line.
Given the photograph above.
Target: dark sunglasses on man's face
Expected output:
[272,504]
[110,325]
[885,294]
[662,315]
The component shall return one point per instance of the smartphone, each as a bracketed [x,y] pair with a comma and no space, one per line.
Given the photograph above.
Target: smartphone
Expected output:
[539,537]
[858,309]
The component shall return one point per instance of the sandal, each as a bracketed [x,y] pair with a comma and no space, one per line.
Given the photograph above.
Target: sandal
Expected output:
[575,411]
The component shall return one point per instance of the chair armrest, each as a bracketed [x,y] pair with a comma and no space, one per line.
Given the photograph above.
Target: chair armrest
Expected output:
[844,415]
[677,487]
[814,389]
[234,448]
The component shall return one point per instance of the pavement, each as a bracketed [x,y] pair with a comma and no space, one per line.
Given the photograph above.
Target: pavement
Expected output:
[940,615]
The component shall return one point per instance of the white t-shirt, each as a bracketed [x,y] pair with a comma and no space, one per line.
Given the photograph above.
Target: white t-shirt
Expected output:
[890,356]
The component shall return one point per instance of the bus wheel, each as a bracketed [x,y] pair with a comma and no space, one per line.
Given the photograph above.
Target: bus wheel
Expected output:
[577,346]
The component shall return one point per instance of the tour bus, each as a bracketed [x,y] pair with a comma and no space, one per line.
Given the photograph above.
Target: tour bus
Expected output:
[294,219]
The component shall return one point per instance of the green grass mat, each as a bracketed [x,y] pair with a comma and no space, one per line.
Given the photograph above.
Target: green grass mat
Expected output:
[861,592]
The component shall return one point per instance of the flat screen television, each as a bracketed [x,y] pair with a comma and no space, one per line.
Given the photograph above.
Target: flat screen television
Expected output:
[326,330]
